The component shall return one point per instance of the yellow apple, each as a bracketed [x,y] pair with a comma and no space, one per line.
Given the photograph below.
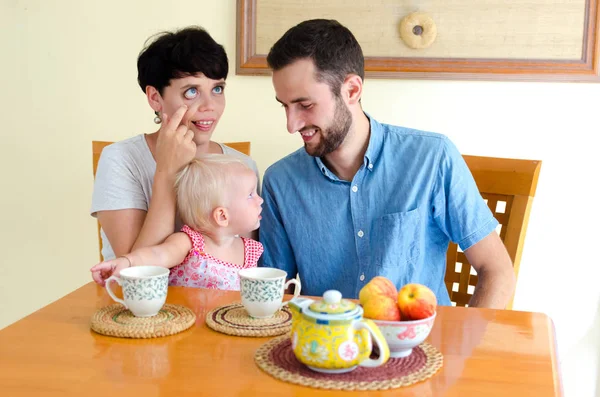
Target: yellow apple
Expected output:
[377,286]
[381,308]
[378,299]
[416,301]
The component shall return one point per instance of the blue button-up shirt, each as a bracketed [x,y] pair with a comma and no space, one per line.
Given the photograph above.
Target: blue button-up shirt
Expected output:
[411,196]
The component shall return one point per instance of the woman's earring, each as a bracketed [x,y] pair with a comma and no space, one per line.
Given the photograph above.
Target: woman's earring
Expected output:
[157,118]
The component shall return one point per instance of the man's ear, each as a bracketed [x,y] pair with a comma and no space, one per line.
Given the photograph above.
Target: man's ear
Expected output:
[352,89]
[154,98]
[221,216]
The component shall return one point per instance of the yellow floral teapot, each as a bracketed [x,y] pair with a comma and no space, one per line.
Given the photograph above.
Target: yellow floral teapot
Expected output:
[331,336]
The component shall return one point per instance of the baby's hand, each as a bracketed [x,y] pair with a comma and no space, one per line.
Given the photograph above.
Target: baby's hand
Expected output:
[103,270]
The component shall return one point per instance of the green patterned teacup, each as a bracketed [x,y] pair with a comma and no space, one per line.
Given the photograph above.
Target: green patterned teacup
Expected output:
[144,289]
[262,290]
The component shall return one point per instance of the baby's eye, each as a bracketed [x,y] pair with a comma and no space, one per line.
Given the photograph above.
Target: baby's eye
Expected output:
[251,195]
[191,93]
[306,106]
[218,89]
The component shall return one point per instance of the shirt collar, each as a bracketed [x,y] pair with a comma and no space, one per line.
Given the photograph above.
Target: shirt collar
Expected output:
[324,170]
[371,155]
[375,143]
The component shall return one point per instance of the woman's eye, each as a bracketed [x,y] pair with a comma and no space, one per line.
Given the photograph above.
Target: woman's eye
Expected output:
[218,89]
[190,93]
[306,106]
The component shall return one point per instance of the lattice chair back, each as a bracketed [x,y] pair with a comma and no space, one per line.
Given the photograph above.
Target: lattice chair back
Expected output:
[508,186]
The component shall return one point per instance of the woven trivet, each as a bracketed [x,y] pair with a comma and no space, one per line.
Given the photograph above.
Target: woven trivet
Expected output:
[116,320]
[277,358]
[234,320]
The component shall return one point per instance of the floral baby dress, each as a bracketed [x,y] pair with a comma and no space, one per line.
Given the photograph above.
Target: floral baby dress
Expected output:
[202,270]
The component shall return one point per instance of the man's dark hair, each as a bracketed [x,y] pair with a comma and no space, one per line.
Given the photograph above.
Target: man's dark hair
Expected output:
[185,52]
[330,45]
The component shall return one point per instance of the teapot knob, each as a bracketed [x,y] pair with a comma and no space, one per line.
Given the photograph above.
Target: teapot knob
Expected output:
[332,296]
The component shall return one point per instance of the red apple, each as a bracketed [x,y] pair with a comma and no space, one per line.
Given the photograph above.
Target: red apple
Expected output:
[416,301]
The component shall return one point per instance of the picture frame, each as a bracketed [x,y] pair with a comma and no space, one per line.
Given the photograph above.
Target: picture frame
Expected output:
[581,66]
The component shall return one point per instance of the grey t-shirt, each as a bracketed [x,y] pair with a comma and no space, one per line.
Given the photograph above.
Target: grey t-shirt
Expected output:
[124,179]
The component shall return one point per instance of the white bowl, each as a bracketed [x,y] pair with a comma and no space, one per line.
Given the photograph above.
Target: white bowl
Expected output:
[403,336]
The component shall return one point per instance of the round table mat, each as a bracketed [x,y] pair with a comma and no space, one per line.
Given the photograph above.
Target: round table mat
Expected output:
[277,358]
[233,319]
[117,320]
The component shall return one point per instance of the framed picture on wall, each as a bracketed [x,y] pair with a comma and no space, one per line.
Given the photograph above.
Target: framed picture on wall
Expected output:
[437,39]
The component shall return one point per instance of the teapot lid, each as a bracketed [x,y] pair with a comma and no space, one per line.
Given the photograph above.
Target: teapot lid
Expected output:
[333,304]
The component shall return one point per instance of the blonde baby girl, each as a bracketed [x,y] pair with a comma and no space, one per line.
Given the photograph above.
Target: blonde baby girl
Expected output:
[217,202]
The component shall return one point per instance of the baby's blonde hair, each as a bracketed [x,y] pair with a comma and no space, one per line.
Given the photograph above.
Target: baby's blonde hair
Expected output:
[204,185]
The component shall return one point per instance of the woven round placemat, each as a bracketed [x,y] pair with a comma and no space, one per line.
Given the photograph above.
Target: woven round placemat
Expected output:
[116,320]
[234,320]
[277,358]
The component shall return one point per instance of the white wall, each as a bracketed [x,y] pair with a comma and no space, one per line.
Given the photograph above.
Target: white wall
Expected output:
[68,76]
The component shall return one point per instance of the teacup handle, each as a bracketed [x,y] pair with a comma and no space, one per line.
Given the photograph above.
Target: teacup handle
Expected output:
[384,350]
[296,282]
[110,291]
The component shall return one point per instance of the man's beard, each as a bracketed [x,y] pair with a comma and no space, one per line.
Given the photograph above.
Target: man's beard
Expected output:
[335,134]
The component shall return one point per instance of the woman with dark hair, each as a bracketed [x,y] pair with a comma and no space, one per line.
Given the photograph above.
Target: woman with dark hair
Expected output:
[183,76]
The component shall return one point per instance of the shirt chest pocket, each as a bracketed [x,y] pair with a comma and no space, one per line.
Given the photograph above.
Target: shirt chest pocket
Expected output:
[395,241]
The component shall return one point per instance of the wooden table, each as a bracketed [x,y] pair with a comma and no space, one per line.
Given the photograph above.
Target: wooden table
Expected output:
[54,352]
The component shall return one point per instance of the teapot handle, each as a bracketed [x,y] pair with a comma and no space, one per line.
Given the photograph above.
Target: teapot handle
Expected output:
[384,350]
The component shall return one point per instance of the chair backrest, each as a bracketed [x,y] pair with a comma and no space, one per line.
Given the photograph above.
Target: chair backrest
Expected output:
[508,186]
[98,146]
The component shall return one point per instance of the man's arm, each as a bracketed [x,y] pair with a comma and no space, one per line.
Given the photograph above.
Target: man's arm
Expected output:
[463,215]
[496,278]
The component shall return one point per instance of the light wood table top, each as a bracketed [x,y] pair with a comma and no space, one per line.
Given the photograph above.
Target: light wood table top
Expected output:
[53,352]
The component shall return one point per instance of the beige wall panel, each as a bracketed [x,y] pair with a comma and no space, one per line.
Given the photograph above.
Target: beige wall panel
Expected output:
[516,29]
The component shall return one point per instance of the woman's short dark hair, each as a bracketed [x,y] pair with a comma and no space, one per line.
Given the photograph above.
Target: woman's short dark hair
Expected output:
[186,52]
[330,45]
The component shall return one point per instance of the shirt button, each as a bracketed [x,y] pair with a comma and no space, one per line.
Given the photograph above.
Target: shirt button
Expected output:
[370,166]
[360,233]
[355,188]
[362,277]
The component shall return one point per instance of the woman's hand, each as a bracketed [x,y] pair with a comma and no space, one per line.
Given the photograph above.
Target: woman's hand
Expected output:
[103,270]
[175,145]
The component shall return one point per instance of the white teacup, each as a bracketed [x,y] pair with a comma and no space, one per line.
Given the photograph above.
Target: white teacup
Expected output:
[144,289]
[262,290]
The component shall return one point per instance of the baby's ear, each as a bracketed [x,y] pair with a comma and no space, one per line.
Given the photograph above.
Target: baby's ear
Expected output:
[221,216]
